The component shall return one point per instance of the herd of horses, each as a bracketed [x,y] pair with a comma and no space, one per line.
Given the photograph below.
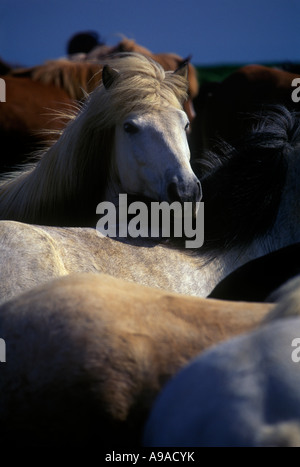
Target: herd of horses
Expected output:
[141,341]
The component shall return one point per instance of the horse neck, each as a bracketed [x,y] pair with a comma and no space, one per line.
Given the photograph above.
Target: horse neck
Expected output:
[113,186]
[16,196]
[63,188]
[284,230]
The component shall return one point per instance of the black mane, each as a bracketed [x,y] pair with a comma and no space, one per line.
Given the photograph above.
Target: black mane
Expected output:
[243,188]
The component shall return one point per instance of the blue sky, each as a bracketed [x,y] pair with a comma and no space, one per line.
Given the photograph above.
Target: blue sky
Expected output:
[213,31]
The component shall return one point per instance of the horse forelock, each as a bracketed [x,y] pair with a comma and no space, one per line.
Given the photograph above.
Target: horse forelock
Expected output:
[143,86]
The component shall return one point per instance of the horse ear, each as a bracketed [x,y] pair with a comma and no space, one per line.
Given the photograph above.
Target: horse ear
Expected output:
[109,75]
[183,67]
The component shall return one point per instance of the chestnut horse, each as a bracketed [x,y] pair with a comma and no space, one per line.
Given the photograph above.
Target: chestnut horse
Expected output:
[87,354]
[28,110]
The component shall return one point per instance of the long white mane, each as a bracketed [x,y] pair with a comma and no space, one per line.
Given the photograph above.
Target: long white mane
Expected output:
[70,178]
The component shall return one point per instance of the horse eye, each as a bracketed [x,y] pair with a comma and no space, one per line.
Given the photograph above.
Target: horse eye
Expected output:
[130,128]
[187,126]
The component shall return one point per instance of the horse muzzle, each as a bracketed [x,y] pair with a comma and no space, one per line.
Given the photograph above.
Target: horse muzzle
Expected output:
[189,191]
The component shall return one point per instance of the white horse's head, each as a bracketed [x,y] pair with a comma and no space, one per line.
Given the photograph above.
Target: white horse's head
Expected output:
[152,156]
[151,153]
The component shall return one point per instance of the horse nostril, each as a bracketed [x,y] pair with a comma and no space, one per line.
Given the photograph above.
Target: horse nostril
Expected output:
[176,192]
[173,193]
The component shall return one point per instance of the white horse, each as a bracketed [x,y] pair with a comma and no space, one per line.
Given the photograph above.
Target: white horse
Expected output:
[128,137]
[252,201]
[243,392]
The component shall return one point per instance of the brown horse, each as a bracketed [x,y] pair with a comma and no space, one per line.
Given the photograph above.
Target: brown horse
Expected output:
[229,108]
[87,354]
[28,110]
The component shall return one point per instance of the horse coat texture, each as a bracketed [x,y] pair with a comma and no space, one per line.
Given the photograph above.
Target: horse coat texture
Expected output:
[86,355]
[243,392]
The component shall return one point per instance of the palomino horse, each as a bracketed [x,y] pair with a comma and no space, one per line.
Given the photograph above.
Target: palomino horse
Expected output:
[251,199]
[87,354]
[129,137]
[74,77]
[227,109]
[243,392]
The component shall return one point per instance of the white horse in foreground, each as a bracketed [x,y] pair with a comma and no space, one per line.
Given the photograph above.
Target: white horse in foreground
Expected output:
[243,392]
[130,136]
[252,205]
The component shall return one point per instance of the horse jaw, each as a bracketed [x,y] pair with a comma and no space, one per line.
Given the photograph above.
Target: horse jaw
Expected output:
[152,157]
